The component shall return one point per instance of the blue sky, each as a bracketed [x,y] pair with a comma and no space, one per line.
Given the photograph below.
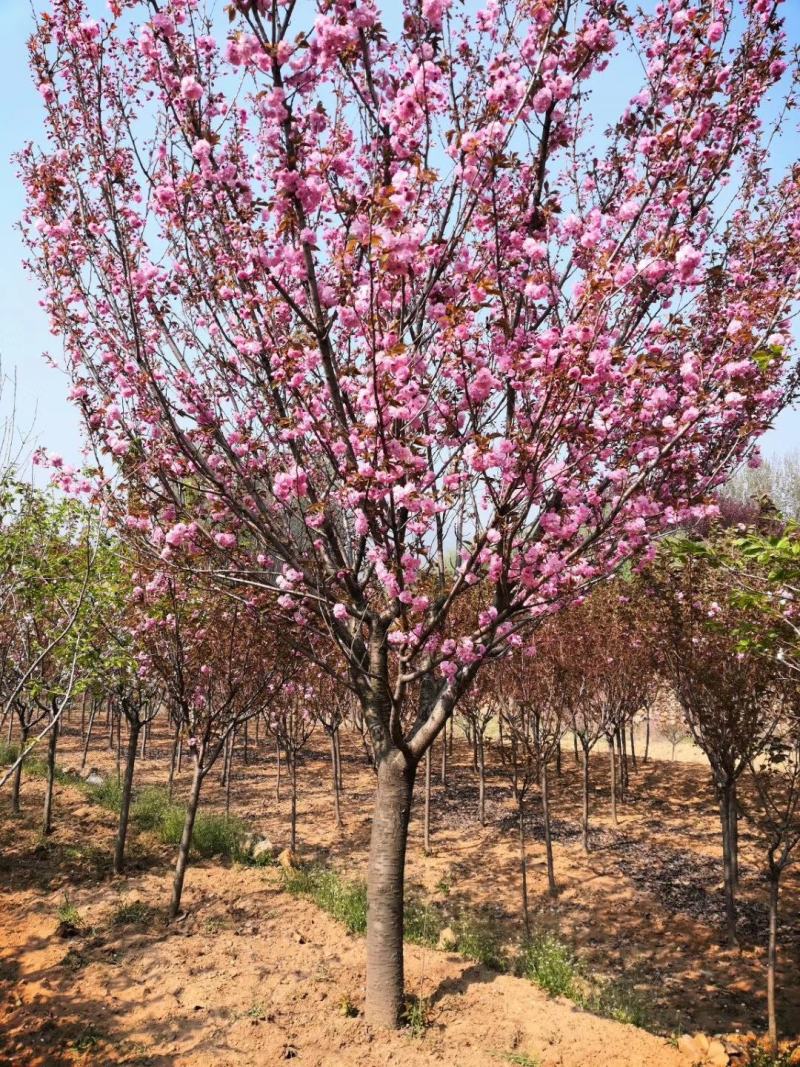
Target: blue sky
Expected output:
[39,403]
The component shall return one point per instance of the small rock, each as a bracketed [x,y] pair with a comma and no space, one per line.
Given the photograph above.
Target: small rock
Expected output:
[93,777]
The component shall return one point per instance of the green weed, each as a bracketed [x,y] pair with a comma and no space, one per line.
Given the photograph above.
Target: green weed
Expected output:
[549,963]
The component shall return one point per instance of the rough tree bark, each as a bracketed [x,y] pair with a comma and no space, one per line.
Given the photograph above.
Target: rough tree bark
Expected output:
[125,801]
[772,954]
[481,778]
[426,818]
[47,818]
[613,768]
[552,888]
[186,839]
[585,811]
[385,881]
[337,809]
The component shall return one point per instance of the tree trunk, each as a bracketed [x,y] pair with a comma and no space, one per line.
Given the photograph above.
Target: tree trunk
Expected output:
[444,757]
[385,876]
[481,779]
[47,819]
[337,811]
[729,886]
[125,800]
[613,763]
[246,745]
[278,776]
[229,772]
[17,780]
[339,777]
[633,744]
[186,840]
[623,763]
[426,818]
[575,746]
[292,761]
[647,737]
[585,814]
[733,834]
[552,888]
[772,957]
[119,746]
[523,866]
[173,762]
[558,759]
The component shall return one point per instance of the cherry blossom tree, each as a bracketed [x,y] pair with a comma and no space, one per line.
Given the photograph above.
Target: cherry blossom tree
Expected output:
[378,317]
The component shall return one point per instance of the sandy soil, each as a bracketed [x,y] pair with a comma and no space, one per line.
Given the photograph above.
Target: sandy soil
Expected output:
[252,975]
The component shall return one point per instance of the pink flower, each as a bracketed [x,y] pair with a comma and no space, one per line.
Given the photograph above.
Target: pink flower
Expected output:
[542,100]
[225,540]
[340,612]
[715,31]
[688,259]
[191,89]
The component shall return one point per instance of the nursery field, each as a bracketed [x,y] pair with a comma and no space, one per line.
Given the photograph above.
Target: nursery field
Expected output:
[266,962]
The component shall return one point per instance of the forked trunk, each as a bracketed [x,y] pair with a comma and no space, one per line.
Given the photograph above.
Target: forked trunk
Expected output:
[47,819]
[385,877]
[125,801]
[186,840]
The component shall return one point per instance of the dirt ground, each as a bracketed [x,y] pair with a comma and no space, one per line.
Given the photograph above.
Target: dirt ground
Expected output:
[252,975]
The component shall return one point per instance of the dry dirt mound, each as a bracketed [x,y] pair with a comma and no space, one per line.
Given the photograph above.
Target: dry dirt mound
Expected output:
[250,975]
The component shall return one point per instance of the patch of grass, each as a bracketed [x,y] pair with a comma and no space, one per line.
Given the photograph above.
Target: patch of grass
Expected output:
[478,939]
[150,808]
[132,913]
[87,1040]
[618,1001]
[520,1059]
[218,835]
[550,963]
[108,795]
[417,1015]
[347,1007]
[345,901]
[8,753]
[213,834]
[68,914]
[422,923]
[256,1011]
